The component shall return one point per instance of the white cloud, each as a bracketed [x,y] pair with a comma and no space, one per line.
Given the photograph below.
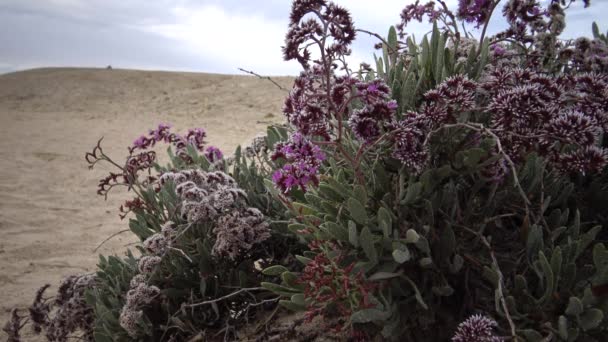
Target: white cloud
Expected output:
[232,40]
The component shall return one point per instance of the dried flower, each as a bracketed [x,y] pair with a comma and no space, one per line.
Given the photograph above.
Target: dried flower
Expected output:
[73,313]
[139,295]
[476,328]
[13,327]
[148,263]
[237,232]
[129,319]
[39,310]
[328,18]
[157,244]
[257,147]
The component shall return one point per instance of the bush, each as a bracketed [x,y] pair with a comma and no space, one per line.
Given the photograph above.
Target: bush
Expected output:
[460,183]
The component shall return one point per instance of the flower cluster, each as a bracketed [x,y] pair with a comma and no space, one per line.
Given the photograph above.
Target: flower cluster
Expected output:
[449,99]
[303,161]
[409,136]
[327,18]
[214,197]
[532,112]
[308,106]
[416,11]
[586,55]
[237,232]
[332,290]
[194,137]
[475,11]
[148,263]
[159,243]
[213,154]
[72,313]
[12,328]
[378,108]
[452,97]
[257,147]
[476,328]
[524,17]
[139,295]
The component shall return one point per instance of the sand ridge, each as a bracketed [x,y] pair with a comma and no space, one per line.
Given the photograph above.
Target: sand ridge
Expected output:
[50,216]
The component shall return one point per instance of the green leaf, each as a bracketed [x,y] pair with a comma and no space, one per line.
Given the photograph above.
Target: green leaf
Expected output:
[401,255]
[534,243]
[549,280]
[417,294]
[531,335]
[369,315]
[383,276]
[562,327]
[288,304]
[304,260]
[353,235]
[473,156]
[274,270]
[367,243]
[575,307]
[291,280]
[336,230]
[591,319]
[279,289]
[596,30]
[360,194]
[411,236]
[413,193]
[444,291]
[385,221]
[357,211]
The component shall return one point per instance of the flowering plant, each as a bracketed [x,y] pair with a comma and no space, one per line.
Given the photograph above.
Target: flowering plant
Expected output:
[458,183]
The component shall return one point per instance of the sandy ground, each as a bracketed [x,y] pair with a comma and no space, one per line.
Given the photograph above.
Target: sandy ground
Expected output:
[51,219]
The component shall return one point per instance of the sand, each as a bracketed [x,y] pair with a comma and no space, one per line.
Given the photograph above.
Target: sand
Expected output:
[51,219]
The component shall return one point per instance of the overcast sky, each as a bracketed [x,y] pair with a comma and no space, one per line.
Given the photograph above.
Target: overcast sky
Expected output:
[190,35]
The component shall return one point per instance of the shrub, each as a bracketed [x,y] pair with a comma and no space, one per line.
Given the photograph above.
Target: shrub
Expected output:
[459,183]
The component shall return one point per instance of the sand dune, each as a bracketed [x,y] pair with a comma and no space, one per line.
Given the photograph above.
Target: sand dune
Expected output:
[50,216]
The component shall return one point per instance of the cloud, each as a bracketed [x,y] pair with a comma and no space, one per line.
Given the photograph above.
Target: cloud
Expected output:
[230,39]
[197,35]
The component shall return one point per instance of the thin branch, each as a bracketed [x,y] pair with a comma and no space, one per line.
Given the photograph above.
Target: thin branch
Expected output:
[245,289]
[110,237]
[499,288]
[264,78]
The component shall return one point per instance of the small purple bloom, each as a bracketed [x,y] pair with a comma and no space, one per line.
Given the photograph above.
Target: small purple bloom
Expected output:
[213,154]
[303,160]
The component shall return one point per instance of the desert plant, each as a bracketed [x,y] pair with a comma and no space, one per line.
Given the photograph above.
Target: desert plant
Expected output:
[455,197]
[459,183]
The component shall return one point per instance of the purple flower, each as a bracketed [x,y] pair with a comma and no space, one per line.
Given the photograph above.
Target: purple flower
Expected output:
[303,160]
[475,11]
[196,137]
[476,328]
[590,159]
[409,137]
[416,11]
[161,133]
[377,111]
[337,21]
[213,154]
[498,50]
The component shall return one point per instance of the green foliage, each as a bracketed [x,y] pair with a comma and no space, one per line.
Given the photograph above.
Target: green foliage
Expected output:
[597,35]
